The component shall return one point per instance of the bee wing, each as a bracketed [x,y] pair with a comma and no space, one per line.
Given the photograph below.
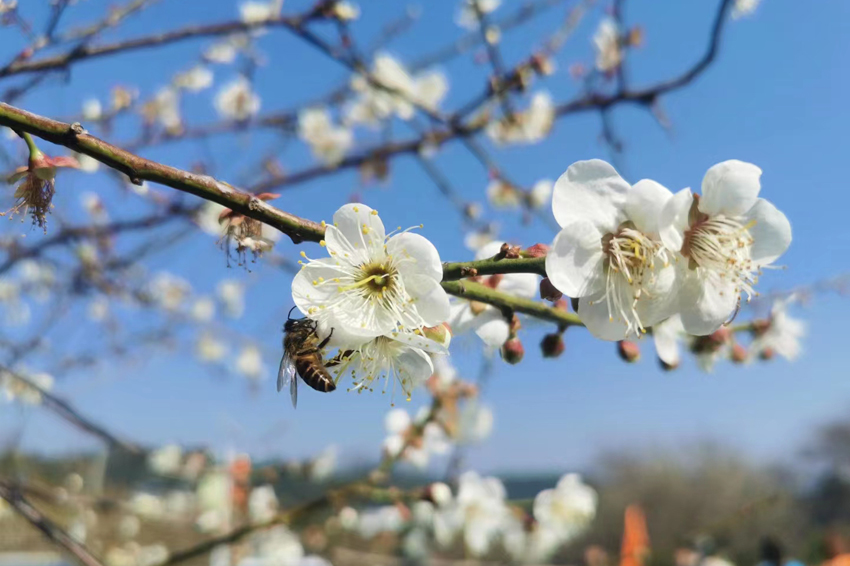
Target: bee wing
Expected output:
[293,391]
[286,372]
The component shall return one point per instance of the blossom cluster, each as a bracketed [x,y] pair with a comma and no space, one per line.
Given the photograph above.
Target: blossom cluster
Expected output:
[378,299]
[636,255]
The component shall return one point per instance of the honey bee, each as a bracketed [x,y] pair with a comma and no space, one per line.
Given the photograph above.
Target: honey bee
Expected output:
[302,356]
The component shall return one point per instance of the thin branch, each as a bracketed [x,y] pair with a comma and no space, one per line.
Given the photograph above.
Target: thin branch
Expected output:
[492,266]
[504,301]
[72,415]
[50,530]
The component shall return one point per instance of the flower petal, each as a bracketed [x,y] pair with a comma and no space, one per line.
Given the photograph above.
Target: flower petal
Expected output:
[771,232]
[418,341]
[414,253]
[644,203]
[492,328]
[305,294]
[706,303]
[523,285]
[574,264]
[19,174]
[673,220]
[597,319]
[430,299]
[489,249]
[342,249]
[666,336]
[461,317]
[591,191]
[361,226]
[730,188]
[414,367]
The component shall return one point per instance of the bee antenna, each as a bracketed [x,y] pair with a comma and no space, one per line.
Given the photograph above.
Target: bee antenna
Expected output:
[289,316]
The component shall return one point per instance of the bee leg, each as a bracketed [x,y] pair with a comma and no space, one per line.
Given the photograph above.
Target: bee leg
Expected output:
[326,340]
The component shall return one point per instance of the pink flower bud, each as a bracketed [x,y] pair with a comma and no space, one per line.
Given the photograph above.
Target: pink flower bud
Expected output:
[629,351]
[552,345]
[548,292]
[739,354]
[512,351]
[440,334]
[767,354]
[537,250]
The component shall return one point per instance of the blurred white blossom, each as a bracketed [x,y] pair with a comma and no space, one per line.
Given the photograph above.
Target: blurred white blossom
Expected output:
[528,126]
[782,333]
[743,8]
[262,504]
[195,79]
[231,293]
[328,142]
[386,519]
[467,16]
[92,109]
[203,309]
[254,12]
[166,460]
[250,363]
[236,100]
[608,44]
[210,349]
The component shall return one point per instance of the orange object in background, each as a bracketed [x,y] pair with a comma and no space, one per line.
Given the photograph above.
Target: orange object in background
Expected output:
[635,538]
[240,474]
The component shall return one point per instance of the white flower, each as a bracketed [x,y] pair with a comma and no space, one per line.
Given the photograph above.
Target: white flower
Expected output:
[609,51]
[417,451]
[207,218]
[225,51]
[726,237]
[608,253]
[165,109]
[328,142]
[487,321]
[400,357]
[322,467]
[87,163]
[16,389]
[398,93]
[167,460]
[203,309]
[481,502]
[262,504]
[477,239]
[257,12]
[250,363]
[667,335]
[529,126]
[476,422]
[743,8]
[348,518]
[195,79]
[209,349]
[502,194]
[346,11]
[92,109]
[214,498]
[236,100]
[445,374]
[540,193]
[276,547]
[147,505]
[372,284]
[169,291]
[386,519]
[782,334]
[231,293]
[38,278]
[567,509]
[467,17]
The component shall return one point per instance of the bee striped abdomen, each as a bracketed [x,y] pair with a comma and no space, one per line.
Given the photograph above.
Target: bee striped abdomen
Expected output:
[314,374]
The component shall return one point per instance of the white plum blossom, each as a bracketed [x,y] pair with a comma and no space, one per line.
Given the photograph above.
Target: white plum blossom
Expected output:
[346,11]
[165,109]
[27,392]
[195,79]
[485,320]
[667,335]
[210,349]
[166,460]
[250,363]
[392,91]
[87,163]
[169,291]
[540,193]
[372,284]
[322,467]
[277,546]
[399,357]
[501,194]
[476,422]
[608,44]
[254,12]
[203,309]
[483,512]
[262,504]
[467,16]
[237,101]
[386,519]
[781,334]
[92,109]
[398,444]
[328,142]
[529,126]
[231,293]
[98,309]
[608,253]
[743,8]
[568,508]
[225,51]
[725,237]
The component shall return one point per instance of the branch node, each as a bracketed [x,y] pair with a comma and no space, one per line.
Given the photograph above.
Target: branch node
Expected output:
[77,129]
[136,180]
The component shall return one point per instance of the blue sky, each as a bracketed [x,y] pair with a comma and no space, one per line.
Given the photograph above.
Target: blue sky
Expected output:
[776,96]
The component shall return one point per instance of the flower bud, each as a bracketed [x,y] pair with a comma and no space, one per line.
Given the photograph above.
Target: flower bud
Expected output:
[537,250]
[635,38]
[441,334]
[548,292]
[767,354]
[439,493]
[543,64]
[552,345]
[513,351]
[739,354]
[629,351]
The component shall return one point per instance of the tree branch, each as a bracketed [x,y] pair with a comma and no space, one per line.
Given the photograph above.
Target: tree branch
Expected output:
[477,292]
